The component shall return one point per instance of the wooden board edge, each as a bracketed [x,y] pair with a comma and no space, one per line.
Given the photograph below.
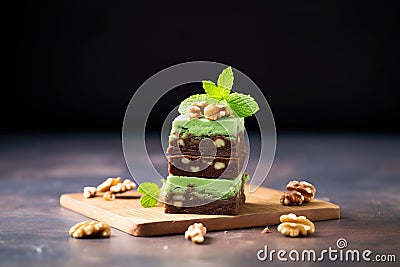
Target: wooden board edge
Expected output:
[67,202]
[212,224]
[229,222]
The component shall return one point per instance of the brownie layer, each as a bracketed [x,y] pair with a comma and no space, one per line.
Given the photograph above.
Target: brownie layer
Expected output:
[204,166]
[230,206]
[220,146]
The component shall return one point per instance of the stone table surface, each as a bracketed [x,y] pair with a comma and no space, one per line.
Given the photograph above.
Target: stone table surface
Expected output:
[359,172]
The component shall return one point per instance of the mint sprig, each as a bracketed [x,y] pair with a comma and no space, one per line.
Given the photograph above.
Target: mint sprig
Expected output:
[150,192]
[215,91]
[225,79]
[242,105]
[224,85]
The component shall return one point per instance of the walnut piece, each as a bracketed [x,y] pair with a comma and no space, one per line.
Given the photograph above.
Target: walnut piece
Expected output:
[196,109]
[266,230]
[196,233]
[304,188]
[293,226]
[194,168]
[122,187]
[185,160]
[89,191]
[90,229]
[215,111]
[106,185]
[219,142]
[292,198]
[108,196]
[181,142]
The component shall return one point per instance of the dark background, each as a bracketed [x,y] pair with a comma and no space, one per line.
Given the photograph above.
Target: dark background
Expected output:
[322,65]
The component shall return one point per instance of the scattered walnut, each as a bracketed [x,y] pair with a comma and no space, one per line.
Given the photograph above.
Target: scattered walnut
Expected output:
[214,112]
[304,188]
[196,233]
[106,185]
[293,226]
[90,229]
[196,110]
[292,198]
[266,230]
[123,187]
[108,196]
[89,191]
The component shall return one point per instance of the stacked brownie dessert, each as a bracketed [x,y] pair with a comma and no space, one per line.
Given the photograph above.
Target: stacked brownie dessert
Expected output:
[205,163]
[207,151]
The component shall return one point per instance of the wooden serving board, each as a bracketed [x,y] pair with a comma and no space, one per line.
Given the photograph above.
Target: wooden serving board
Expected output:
[262,208]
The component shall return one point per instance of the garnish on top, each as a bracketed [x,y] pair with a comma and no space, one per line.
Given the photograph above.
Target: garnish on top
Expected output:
[219,101]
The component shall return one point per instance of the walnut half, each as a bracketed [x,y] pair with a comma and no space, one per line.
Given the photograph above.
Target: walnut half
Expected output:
[90,229]
[293,226]
[89,191]
[196,109]
[106,185]
[196,233]
[214,112]
[209,111]
[108,196]
[122,187]
[304,188]
[292,198]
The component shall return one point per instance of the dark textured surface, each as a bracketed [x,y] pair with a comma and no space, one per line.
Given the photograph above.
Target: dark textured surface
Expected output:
[360,173]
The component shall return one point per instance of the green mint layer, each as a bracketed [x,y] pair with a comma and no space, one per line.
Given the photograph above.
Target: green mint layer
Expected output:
[204,188]
[227,126]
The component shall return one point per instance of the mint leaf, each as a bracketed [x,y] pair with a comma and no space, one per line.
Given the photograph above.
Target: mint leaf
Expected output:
[209,87]
[147,201]
[151,192]
[225,79]
[242,105]
[183,108]
[214,91]
[223,92]
[149,189]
